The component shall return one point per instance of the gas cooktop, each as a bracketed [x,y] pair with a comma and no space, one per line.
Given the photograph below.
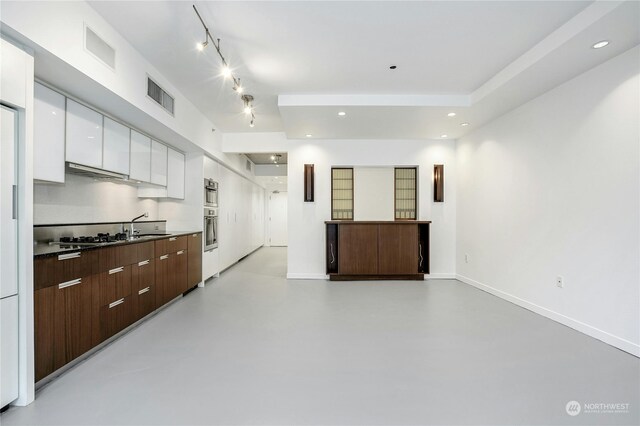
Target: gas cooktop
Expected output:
[91,241]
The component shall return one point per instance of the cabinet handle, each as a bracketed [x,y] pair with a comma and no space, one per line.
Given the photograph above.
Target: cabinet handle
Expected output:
[333,258]
[144,262]
[180,252]
[420,253]
[173,238]
[69,283]
[144,290]
[163,257]
[14,198]
[116,303]
[69,256]
[116,270]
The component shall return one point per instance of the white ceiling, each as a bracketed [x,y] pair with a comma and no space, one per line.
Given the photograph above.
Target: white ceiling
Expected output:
[451,56]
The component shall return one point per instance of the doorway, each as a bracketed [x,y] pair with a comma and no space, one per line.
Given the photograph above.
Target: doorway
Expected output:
[278,219]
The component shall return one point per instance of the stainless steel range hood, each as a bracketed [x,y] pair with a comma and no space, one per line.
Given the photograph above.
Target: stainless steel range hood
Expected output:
[78,169]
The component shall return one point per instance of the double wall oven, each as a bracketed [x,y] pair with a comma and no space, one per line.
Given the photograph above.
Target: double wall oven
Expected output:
[210,214]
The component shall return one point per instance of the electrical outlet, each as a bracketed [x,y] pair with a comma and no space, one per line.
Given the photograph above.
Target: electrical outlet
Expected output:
[559,282]
[466,258]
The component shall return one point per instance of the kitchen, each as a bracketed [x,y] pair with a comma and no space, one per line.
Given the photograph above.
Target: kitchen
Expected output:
[439,241]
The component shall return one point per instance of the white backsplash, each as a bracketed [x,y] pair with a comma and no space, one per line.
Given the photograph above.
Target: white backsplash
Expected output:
[85,200]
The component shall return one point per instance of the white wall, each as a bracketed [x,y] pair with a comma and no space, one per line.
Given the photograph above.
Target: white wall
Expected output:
[55,30]
[552,189]
[373,193]
[81,199]
[306,254]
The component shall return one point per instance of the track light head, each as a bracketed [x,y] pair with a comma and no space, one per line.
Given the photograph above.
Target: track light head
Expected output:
[238,89]
[202,46]
[226,71]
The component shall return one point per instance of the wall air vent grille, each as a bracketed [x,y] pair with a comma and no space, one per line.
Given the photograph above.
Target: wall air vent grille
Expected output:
[158,94]
[99,48]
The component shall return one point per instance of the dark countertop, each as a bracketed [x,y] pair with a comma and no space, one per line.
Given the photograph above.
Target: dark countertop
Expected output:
[46,249]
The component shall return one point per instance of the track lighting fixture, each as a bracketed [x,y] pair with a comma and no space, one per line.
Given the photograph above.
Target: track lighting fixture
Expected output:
[226,70]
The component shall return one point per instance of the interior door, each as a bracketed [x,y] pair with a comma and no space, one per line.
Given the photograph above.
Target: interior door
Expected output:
[278,219]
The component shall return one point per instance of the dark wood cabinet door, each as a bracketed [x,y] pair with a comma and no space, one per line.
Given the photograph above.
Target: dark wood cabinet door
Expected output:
[115,257]
[64,316]
[144,301]
[143,277]
[115,284]
[116,316]
[397,249]
[44,333]
[162,279]
[194,250]
[180,266]
[75,304]
[358,254]
[52,270]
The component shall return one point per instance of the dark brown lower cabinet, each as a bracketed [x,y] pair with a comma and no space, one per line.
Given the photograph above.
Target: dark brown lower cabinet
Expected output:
[180,269]
[162,280]
[143,277]
[116,286]
[377,250]
[194,249]
[358,249]
[64,317]
[397,249]
[116,316]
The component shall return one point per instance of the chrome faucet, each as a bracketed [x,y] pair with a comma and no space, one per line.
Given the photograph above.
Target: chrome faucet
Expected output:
[134,231]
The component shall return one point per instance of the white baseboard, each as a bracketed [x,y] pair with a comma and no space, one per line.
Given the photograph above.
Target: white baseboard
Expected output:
[304,276]
[587,329]
[440,276]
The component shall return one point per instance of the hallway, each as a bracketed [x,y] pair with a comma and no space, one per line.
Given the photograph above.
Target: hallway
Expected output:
[254,348]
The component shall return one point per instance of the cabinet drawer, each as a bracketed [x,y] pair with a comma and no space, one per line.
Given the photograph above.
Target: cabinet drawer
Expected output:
[171,245]
[53,270]
[144,301]
[116,316]
[145,251]
[115,257]
[115,284]
[143,274]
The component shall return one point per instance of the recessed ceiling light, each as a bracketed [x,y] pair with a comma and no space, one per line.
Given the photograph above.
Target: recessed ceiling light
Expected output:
[342,113]
[451,114]
[443,136]
[465,124]
[393,67]
[308,135]
[600,44]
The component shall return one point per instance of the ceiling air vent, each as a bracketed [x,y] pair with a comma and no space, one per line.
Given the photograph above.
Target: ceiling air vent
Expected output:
[248,166]
[99,48]
[159,95]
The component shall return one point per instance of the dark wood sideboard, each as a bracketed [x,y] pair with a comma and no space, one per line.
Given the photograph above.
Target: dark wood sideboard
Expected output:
[377,250]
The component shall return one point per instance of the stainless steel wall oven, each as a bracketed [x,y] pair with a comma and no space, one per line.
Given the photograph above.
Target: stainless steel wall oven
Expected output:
[210,229]
[210,193]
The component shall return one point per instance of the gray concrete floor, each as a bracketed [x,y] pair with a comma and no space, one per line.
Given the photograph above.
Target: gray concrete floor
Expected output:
[254,348]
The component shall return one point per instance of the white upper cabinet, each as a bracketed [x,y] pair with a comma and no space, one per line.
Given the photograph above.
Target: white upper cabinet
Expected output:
[158,163]
[84,135]
[140,157]
[175,181]
[48,136]
[115,150]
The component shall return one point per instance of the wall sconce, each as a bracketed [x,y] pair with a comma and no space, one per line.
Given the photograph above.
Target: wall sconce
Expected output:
[308,183]
[438,183]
